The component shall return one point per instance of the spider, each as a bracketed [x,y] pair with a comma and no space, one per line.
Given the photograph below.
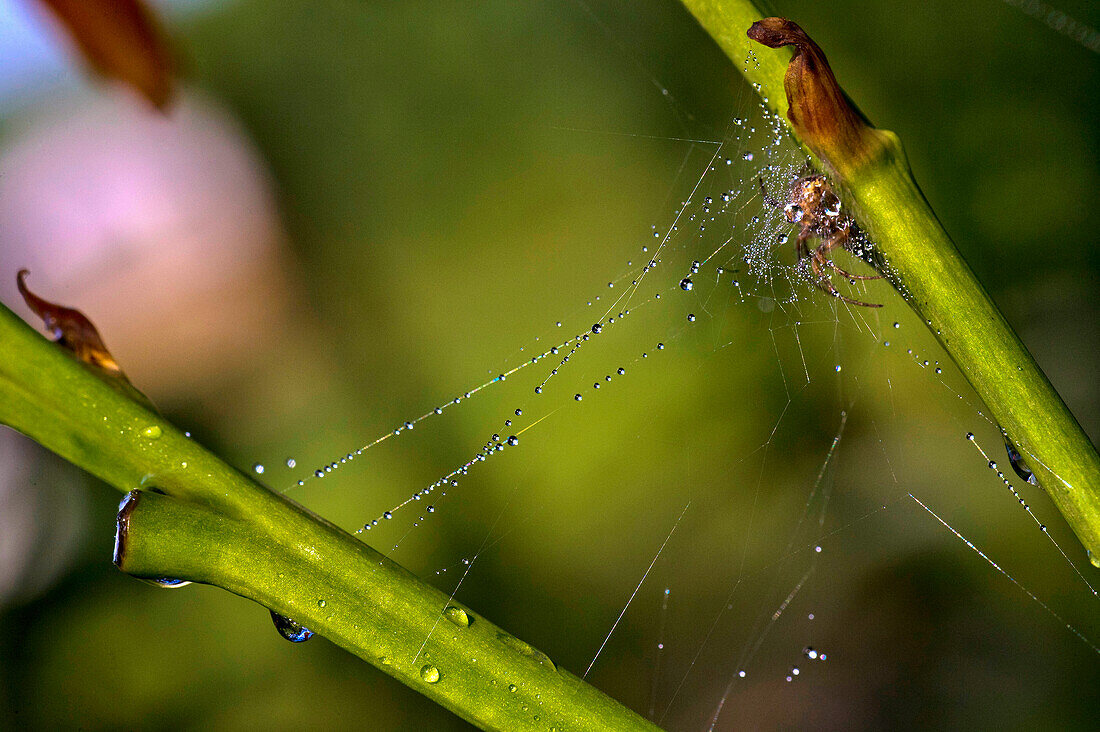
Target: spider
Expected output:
[812,205]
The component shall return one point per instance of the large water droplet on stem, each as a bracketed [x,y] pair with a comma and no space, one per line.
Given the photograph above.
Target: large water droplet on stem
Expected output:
[289,629]
[457,615]
[168,582]
[1018,464]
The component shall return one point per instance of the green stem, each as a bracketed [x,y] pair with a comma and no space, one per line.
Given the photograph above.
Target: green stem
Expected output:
[925,266]
[190,516]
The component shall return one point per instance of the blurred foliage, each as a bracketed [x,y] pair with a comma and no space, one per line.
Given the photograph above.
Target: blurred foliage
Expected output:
[444,209]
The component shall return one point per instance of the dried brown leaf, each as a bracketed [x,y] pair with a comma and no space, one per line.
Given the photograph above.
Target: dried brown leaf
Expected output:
[71,330]
[121,40]
[819,111]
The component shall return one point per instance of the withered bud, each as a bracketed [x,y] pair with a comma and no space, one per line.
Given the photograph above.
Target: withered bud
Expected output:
[71,330]
[121,40]
[819,111]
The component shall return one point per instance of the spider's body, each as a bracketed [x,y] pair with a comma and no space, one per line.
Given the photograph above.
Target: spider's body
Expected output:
[812,205]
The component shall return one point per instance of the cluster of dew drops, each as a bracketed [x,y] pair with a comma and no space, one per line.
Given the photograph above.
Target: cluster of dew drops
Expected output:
[810,653]
[565,351]
[756,255]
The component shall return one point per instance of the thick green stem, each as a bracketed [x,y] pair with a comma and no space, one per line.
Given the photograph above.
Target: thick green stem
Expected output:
[925,266]
[190,516]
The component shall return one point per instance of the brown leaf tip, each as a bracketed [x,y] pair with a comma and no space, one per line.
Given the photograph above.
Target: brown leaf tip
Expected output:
[777,32]
[122,40]
[70,329]
[818,109]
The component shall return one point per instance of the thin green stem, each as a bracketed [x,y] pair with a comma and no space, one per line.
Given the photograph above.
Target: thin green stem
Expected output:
[925,266]
[190,516]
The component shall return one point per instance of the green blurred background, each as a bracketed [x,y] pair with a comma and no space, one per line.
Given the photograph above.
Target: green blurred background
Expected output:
[361,210]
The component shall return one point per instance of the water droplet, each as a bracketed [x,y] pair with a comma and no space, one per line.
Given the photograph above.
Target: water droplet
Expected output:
[686,284]
[168,583]
[430,673]
[741,674]
[596,328]
[838,368]
[519,412]
[318,473]
[457,615]
[1018,464]
[578,397]
[660,346]
[321,603]
[513,440]
[387,515]
[621,371]
[746,156]
[291,462]
[258,468]
[691,317]
[809,653]
[970,436]
[793,212]
[290,629]
[512,688]
[153,432]
[522,647]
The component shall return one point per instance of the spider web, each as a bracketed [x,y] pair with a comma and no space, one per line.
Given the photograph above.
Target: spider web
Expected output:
[711,285]
[630,428]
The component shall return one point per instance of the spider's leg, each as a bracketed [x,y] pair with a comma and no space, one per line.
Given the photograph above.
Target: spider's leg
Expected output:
[800,246]
[848,275]
[819,261]
[842,236]
[767,199]
[860,302]
[817,264]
